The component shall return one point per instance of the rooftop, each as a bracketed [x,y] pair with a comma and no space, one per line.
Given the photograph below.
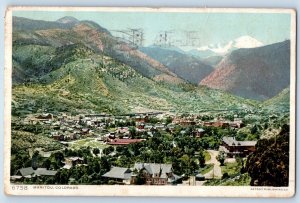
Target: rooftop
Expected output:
[231,141]
[119,173]
[124,141]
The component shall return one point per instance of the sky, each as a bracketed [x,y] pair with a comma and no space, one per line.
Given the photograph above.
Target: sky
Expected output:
[206,28]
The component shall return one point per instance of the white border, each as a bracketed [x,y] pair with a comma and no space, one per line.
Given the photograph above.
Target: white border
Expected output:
[170,191]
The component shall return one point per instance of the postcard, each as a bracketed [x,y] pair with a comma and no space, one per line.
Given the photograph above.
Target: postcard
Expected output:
[110,101]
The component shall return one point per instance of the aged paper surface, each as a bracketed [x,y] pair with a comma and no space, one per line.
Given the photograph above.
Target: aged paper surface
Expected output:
[150,101]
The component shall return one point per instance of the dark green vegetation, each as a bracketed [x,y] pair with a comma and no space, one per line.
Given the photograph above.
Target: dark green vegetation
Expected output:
[279,103]
[234,174]
[239,180]
[269,165]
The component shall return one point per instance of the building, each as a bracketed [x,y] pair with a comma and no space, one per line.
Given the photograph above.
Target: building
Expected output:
[233,147]
[237,123]
[73,161]
[123,141]
[119,174]
[140,125]
[154,174]
[222,124]
[58,137]
[157,174]
[29,172]
[198,132]
[45,117]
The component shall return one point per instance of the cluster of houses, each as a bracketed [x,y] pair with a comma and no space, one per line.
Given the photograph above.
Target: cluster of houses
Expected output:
[217,122]
[151,173]
[67,128]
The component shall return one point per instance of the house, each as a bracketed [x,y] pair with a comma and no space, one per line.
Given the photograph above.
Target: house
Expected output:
[119,174]
[171,126]
[42,153]
[141,118]
[123,130]
[221,124]
[58,137]
[207,123]
[140,126]
[44,117]
[198,132]
[85,131]
[73,161]
[154,174]
[183,122]
[44,172]
[29,172]
[157,174]
[237,123]
[159,126]
[233,147]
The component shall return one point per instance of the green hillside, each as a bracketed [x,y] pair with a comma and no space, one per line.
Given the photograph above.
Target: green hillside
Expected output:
[92,36]
[279,103]
[76,79]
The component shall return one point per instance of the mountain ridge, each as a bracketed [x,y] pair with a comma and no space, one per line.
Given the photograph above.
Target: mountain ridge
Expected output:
[254,73]
[92,36]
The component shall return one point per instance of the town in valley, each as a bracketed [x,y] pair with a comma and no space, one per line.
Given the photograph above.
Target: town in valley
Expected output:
[152,148]
[144,98]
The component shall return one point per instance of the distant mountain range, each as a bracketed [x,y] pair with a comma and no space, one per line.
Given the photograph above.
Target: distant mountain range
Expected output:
[81,67]
[72,65]
[187,67]
[254,73]
[202,54]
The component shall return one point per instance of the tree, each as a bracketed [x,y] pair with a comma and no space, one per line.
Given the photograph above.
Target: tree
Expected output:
[47,163]
[132,132]
[35,160]
[221,158]
[169,120]
[225,176]
[96,151]
[140,178]
[269,164]
[201,159]
[62,177]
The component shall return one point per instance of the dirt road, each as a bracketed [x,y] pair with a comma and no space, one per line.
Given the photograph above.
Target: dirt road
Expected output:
[216,172]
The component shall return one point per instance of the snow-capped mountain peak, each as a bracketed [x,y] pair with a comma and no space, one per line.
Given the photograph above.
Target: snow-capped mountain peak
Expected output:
[247,42]
[241,42]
